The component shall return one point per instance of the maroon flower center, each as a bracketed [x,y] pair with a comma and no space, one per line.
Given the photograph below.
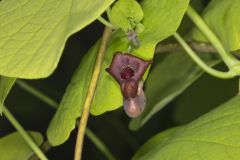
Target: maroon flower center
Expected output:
[129,88]
[127,73]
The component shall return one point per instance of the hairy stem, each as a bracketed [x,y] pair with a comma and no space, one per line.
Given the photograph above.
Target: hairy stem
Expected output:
[52,103]
[90,94]
[229,59]
[200,62]
[24,134]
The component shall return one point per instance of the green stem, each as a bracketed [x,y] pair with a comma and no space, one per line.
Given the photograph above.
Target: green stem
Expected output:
[104,21]
[229,59]
[24,134]
[108,11]
[200,62]
[99,144]
[37,93]
[52,103]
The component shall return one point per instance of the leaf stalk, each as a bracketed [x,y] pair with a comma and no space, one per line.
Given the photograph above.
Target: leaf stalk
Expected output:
[232,62]
[104,21]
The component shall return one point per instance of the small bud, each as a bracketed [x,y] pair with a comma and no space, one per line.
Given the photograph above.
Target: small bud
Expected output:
[133,38]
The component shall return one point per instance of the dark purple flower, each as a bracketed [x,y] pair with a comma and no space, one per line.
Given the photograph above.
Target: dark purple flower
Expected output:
[128,71]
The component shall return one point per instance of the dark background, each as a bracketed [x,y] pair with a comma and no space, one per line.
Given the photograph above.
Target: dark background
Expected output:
[111,127]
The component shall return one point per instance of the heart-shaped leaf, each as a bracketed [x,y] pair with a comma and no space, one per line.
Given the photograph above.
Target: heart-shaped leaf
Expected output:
[215,135]
[33,33]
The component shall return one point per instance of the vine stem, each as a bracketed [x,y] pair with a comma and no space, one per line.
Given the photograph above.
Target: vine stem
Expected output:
[24,134]
[52,103]
[90,94]
[229,59]
[200,62]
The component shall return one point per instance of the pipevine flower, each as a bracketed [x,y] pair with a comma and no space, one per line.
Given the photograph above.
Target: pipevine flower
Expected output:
[128,71]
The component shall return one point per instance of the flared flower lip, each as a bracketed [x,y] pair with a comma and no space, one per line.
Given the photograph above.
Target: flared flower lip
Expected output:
[120,61]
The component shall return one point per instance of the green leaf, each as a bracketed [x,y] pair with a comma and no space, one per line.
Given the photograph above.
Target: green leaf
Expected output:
[223,18]
[161,20]
[215,135]
[154,142]
[168,79]
[33,33]
[14,147]
[108,95]
[6,84]
[126,14]
[187,109]
[71,105]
